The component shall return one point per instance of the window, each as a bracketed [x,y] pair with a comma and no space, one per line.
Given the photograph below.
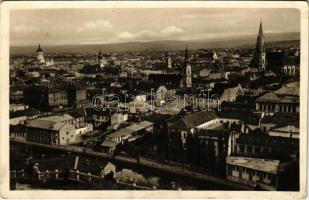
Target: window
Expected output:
[266,175]
[257,149]
[241,148]
[249,149]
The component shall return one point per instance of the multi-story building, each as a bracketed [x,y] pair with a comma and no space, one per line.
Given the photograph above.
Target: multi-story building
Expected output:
[127,134]
[43,98]
[285,99]
[190,123]
[265,146]
[270,122]
[50,132]
[255,172]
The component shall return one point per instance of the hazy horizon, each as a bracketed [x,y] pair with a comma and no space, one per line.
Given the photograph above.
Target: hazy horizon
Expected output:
[123,25]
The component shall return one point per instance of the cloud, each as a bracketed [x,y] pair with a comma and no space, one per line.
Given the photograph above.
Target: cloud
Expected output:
[172,30]
[126,35]
[26,29]
[143,35]
[147,34]
[189,16]
[95,25]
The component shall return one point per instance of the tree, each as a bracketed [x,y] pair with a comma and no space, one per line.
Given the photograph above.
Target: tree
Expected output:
[189,149]
[211,159]
[196,150]
[221,156]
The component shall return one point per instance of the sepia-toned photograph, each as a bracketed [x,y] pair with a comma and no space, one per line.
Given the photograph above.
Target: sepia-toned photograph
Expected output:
[136,97]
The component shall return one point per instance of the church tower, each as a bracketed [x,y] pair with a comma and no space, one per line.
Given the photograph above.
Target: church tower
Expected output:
[186,72]
[169,63]
[40,55]
[100,60]
[259,60]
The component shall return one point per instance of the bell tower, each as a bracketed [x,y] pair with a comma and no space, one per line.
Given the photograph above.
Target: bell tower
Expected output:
[100,60]
[40,55]
[186,72]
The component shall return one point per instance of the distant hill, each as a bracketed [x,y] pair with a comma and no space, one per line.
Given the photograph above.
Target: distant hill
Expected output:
[239,41]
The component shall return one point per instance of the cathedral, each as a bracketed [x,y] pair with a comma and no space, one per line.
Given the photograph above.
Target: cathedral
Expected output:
[259,59]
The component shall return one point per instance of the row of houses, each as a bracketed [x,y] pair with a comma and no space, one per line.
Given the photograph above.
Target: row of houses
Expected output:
[257,156]
[126,134]
[58,129]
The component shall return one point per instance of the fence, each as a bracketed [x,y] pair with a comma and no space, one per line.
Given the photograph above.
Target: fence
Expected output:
[74,175]
[183,170]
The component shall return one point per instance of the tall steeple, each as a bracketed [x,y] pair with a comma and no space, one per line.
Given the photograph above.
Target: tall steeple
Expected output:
[186,54]
[261,28]
[259,60]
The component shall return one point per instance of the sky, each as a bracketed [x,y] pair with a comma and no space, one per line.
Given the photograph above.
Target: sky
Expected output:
[106,25]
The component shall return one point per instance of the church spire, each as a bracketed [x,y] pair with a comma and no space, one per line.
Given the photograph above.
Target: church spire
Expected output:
[259,60]
[261,28]
[186,54]
[39,49]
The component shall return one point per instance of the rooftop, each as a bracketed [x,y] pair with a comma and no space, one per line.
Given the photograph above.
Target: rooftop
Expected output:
[130,129]
[58,118]
[193,120]
[45,124]
[289,89]
[109,143]
[265,165]
[281,118]
[266,140]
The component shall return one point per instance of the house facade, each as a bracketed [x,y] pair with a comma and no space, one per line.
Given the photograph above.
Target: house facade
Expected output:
[258,173]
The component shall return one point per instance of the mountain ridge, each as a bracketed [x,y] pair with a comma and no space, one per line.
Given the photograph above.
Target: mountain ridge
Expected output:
[162,45]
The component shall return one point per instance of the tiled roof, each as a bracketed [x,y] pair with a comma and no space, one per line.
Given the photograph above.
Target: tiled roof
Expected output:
[193,120]
[281,118]
[286,128]
[109,143]
[289,89]
[130,129]
[76,113]
[237,114]
[45,124]
[20,113]
[58,118]
[273,97]
[17,128]
[266,140]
